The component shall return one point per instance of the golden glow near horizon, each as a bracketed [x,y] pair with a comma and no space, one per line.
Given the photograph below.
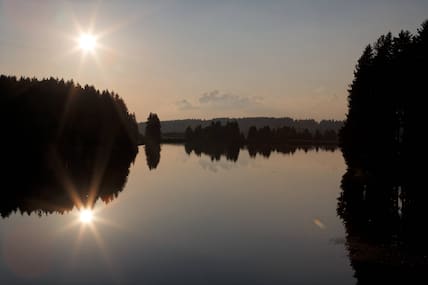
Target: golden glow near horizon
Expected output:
[86,216]
[289,65]
[87,42]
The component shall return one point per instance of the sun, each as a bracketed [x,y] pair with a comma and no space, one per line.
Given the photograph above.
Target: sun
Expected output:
[86,216]
[87,42]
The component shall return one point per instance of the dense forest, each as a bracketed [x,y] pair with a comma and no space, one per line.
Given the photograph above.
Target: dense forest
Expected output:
[383,200]
[51,111]
[62,145]
[384,121]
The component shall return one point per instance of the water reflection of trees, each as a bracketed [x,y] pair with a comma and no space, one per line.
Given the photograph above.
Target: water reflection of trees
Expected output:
[265,150]
[59,179]
[231,152]
[385,226]
[152,150]
[214,151]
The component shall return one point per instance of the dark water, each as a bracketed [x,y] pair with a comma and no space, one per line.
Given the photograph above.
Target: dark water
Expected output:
[191,220]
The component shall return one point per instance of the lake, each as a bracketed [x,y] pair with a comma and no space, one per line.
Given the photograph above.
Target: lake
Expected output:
[194,220]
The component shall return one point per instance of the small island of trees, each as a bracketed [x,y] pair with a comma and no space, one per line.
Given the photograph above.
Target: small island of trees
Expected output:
[152,140]
[217,139]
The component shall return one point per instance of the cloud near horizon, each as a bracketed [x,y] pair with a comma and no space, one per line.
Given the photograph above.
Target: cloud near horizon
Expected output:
[185,105]
[216,100]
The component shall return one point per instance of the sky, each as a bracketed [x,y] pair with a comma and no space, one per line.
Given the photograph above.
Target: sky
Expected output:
[204,59]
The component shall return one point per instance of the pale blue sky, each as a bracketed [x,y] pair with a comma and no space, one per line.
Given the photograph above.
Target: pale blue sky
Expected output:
[203,59]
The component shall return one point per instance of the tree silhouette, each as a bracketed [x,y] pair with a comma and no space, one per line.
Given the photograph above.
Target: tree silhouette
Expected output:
[289,135]
[215,140]
[382,203]
[385,104]
[152,151]
[51,111]
[153,129]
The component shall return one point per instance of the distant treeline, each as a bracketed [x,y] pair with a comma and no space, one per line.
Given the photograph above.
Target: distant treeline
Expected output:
[52,111]
[230,134]
[179,126]
[289,135]
[216,140]
[216,133]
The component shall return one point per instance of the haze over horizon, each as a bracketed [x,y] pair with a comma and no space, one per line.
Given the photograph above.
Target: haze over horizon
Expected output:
[194,59]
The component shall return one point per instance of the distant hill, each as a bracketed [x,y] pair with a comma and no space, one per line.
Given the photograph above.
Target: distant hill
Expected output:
[179,126]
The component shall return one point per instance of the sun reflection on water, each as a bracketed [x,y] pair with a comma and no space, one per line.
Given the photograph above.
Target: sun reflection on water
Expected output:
[88,220]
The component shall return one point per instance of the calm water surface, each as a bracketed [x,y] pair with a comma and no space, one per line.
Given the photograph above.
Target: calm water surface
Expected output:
[194,221]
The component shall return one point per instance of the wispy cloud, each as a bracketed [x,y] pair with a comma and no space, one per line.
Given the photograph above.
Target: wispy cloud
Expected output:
[185,105]
[216,100]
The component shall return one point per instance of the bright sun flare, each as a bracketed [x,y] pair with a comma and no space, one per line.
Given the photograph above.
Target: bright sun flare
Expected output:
[87,42]
[86,216]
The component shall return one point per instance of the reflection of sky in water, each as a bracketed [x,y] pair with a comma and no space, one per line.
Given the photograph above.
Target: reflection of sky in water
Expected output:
[194,221]
[214,166]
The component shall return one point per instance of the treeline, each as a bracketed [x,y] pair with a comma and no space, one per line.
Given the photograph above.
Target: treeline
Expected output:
[384,202]
[289,135]
[216,133]
[179,126]
[386,103]
[62,145]
[51,111]
[216,140]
